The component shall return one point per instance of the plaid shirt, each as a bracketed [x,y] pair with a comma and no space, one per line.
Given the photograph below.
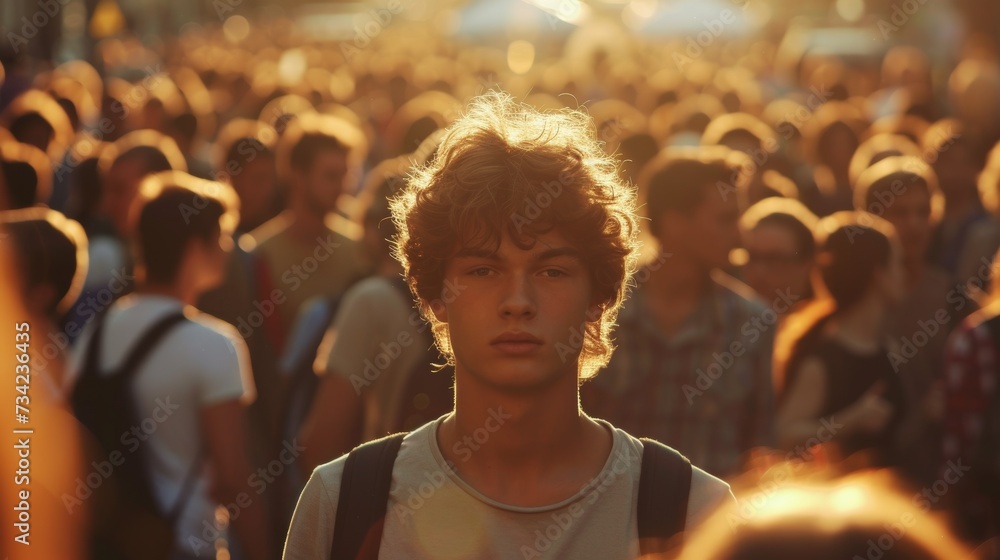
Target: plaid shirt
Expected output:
[663,388]
[970,384]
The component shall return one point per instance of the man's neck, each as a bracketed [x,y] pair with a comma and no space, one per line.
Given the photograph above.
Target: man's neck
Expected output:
[306,222]
[682,279]
[523,449]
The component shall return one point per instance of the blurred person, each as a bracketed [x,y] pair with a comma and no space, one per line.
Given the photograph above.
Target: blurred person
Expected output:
[122,165]
[50,255]
[878,147]
[817,516]
[833,365]
[777,235]
[28,173]
[54,454]
[245,158]
[504,296]
[298,251]
[126,163]
[966,234]
[904,191]
[373,312]
[36,119]
[971,423]
[686,322]
[198,457]
[306,251]
[831,136]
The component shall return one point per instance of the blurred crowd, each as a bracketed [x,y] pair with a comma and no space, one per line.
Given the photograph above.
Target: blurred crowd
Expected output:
[833,306]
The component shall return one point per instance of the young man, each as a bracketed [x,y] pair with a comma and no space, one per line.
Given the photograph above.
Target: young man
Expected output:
[518,240]
[694,366]
[195,382]
[306,251]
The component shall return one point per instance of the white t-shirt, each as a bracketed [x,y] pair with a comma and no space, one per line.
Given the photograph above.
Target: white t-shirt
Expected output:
[433,514]
[198,363]
[375,342]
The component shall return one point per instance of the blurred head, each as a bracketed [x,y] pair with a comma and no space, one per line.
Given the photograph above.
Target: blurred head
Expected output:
[317,158]
[244,158]
[831,135]
[125,163]
[904,191]
[509,186]
[36,119]
[28,173]
[858,260]
[949,153]
[52,258]
[382,183]
[182,228]
[865,515]
[692,196]
[780,247]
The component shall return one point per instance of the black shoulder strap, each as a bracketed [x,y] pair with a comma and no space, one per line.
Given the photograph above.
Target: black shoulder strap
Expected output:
[664,485]
[364,497]
[147,343]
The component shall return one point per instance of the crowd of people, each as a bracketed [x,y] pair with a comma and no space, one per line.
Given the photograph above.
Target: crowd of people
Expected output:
[813,292]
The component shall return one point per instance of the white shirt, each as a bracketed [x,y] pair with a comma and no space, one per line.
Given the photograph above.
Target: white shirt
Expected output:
[198,363]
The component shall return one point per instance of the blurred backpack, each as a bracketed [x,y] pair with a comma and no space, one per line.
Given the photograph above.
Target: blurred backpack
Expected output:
[131,525]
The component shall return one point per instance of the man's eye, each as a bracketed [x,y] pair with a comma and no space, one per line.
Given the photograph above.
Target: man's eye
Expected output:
[481,271]
[553,272]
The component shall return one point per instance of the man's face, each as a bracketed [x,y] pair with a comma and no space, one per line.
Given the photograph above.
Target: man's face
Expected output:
[510,314]
[707,234]
[910,214]
[774,263]
[122,185]
[256,186]
[323,182]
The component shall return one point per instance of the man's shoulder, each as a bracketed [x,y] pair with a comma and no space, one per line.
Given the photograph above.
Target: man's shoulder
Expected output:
[734,291]
[706,492]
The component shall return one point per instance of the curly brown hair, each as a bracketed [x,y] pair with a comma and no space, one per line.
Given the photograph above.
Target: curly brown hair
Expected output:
[505,168]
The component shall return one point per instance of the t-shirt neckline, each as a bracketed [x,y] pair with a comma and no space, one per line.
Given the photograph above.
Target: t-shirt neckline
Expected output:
[430,441]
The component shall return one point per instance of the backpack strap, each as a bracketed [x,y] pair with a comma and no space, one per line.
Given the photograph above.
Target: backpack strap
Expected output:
[137,355]
[664,486]
[364,498]
[130,366]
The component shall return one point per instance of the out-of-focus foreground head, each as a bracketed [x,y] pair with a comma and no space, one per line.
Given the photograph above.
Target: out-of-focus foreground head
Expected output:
[793,517]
